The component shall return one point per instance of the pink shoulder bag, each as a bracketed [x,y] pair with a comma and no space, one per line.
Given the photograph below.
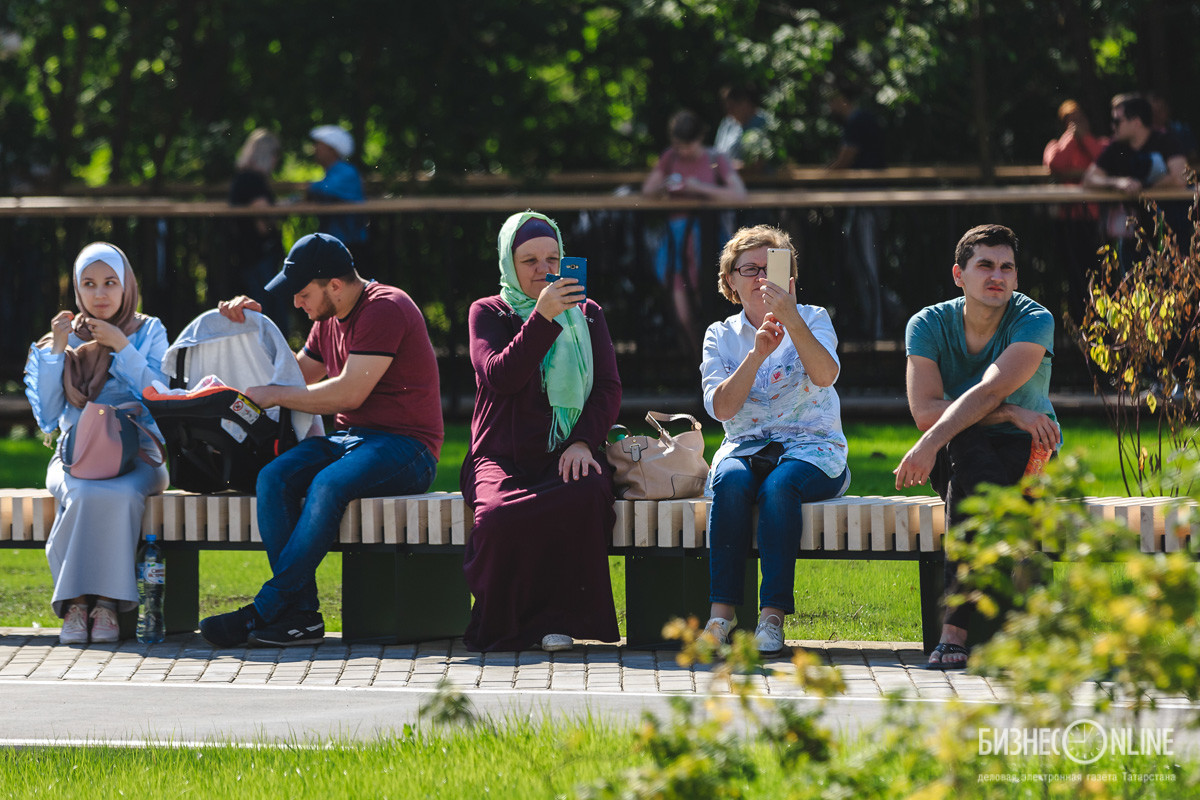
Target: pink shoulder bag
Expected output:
[104,443]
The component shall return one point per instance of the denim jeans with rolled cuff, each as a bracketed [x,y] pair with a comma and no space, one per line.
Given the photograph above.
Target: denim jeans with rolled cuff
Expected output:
[331,471]
[779,497]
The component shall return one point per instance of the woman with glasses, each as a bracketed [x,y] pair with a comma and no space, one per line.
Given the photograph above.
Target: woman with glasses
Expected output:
[547,392]
[767,375]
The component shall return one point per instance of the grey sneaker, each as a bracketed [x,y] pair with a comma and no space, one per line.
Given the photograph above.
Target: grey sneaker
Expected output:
[75,625]
[768,636]
[718,629]
[553,642]
[104,625]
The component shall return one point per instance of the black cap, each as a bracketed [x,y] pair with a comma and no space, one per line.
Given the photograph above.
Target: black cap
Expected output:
[317,255]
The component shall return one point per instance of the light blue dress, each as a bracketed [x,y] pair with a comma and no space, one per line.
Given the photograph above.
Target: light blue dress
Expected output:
[97,523]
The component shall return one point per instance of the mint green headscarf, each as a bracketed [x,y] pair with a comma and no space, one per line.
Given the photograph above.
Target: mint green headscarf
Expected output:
[567,368]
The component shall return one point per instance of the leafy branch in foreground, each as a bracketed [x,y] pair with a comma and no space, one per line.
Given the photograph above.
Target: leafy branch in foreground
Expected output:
[1140,335]
[1119,623]
[1117,620]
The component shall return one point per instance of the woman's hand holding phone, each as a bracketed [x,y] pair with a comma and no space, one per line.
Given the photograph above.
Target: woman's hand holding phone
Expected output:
[559,295]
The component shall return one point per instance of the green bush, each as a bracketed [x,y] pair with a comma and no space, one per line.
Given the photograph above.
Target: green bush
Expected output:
[1135,639]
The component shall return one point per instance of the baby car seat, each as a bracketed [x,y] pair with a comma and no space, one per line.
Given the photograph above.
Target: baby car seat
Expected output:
[217,438]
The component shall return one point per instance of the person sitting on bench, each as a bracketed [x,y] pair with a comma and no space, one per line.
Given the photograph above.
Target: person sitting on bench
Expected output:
[978,381]
[368,360]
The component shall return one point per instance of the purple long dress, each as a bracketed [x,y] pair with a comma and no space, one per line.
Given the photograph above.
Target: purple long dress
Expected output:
[537,557]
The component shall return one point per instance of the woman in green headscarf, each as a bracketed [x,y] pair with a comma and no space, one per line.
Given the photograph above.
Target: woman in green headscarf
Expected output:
[547,392]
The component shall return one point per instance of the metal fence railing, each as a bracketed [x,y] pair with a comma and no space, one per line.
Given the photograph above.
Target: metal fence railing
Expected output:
[442,251]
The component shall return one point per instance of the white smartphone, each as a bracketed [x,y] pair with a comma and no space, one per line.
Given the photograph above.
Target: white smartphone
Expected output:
[779,266]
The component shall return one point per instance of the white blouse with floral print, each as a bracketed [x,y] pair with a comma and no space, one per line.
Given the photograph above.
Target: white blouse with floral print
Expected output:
[784,404]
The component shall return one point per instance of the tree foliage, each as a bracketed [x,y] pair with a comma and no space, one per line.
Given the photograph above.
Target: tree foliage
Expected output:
[1140,333]
[143,92]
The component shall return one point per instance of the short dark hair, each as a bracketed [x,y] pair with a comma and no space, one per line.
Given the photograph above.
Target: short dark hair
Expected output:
[349,277]
[686,126]
[990,235]
[1135,106]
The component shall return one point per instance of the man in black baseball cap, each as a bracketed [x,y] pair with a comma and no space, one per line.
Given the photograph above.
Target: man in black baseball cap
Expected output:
[317,255]
[368,361]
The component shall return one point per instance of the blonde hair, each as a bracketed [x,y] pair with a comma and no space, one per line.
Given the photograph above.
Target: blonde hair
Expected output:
[260,152]
[743,241]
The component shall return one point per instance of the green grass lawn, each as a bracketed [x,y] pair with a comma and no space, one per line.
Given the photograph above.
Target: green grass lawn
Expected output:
[516,758]
[856,600]
[522,759]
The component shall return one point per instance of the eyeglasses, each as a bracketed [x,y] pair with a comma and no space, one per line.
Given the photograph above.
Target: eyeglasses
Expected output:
[750,270]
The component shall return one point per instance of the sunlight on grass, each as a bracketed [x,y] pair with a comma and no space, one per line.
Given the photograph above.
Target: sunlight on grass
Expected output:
[517,759]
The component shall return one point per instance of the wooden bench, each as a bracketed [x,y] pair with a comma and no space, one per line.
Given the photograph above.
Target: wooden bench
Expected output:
[402,556]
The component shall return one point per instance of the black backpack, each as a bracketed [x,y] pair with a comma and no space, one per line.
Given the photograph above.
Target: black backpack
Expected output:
[217,439]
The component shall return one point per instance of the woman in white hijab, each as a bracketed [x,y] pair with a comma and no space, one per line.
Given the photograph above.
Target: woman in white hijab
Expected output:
[106,352]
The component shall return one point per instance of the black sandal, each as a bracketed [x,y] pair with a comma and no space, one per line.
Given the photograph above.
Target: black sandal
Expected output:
[947,648]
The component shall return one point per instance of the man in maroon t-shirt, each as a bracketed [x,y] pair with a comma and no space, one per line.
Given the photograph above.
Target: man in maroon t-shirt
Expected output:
[368,361]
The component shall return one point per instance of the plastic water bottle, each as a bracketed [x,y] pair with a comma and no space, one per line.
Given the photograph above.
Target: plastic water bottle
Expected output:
[152,578]
[140,571]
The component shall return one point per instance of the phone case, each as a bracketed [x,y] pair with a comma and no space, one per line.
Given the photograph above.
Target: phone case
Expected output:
[779,266]
[574,267]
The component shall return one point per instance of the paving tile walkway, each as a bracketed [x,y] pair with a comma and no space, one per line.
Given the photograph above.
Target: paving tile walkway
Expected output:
[869,669]
[183,690]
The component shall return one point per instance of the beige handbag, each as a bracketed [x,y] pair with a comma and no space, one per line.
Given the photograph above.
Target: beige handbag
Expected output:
[666,468]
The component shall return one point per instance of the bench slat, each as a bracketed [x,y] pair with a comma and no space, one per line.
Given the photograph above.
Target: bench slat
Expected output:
[44,509]
[458,520]
[217,512]
[240,518]
[932,515]
[371,509]
[858,523]
[393,523]
[348,530]
[195,511]
[811,523]
[436,532]
[883,525]
[172,506]
[645,517]
[695,523]
[622,535]
[22,518]
[670,523]
[833,525]
[416,521]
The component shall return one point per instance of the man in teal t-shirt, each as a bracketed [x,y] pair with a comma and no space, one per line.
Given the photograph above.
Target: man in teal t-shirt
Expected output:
[978,382]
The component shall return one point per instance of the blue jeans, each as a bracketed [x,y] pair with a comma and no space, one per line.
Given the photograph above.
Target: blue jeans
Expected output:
[331,471]
[779,497]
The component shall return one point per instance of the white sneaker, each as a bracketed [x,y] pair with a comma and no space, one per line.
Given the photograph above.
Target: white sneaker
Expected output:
[718,630]
[552,642]
[75,625]
[768,637]
[104,625]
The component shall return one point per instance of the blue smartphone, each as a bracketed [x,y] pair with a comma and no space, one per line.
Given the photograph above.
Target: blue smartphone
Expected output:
[572,267]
